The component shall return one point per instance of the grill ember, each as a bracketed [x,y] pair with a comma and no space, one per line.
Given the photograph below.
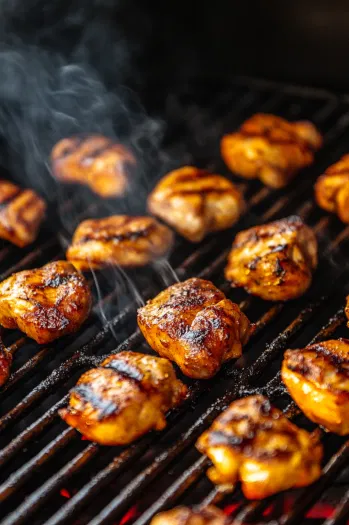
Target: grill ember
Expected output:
[51,474]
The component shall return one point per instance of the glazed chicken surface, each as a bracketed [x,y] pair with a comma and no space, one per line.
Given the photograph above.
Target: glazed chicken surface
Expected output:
[196,202]
[5,364]
[332,189]
[118,240]
[274,261]
[187,516]
[254,443]
[95,161]
[195,325]
[21,213]
[270,148]
[45,303]
[317,377]
[125,397]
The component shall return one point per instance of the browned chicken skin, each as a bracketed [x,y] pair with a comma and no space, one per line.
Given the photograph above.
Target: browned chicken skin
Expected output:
[5,364]
[186,516]
[270,148]
[274,261]
[195,325]
[253,442]
[21,213]
[196,202]
[95,161]
[118,240]
[317,377]
[125,397]
[45,303]
[332,189]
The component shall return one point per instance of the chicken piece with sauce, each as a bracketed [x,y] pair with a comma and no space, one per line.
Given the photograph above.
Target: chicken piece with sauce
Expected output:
[192,516]
[5,364]
[332,189]
[125,397]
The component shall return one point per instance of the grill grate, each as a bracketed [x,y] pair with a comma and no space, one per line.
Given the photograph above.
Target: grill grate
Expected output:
[41,459]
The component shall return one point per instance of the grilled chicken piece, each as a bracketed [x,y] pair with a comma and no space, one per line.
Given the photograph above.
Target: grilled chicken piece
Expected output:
[5,364]
[317,378]
[125,397]
[95,161]
[274,261]
[21,213]
[186,516]
[196,202]
[271,149]
[195,325]
[118,240]
[332,189]
[45,303]
[254,443]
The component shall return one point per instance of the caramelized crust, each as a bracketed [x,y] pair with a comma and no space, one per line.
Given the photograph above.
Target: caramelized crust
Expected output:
[332,189]
[253,442]
[21,213]
[317,377]
[127,396]
[195,325]
[196,202]
[95,161]
[118,240]
[270,148]
[45,303]
[186,516]
[274,261]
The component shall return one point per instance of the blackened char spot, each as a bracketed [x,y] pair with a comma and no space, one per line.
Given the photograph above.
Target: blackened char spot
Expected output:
[5,202]
[125,369]
[105,407]
[55,282]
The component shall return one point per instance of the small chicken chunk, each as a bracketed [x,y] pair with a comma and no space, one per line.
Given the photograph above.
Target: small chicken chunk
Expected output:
[118,240]
[317,378]
[274,261]
[195,325]
[332,189]
[271,149]
[95,161]
[5,364]
[186,516]
[196,202]
[125,397]
[21,213]
[254,443]
[45,303]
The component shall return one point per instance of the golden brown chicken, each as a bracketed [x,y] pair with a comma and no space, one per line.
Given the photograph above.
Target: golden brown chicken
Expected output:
[254,443]
[125,397]
[317,377]
[274,261]
[197,516]
[270,148]
[21,213]
[95,161]
[118,240]
[45,303]
[5,364]
[195,325]
[196,202]
[332,189]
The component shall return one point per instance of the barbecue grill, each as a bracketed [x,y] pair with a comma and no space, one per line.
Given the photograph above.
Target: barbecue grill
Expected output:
[50,474]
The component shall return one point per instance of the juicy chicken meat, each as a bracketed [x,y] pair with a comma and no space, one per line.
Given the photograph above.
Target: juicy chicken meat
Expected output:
[21,213]
[274,261]
[125,397]
[95,161]
[317,377]
[45,303]
[186,516]
[270,148]
[254,443]
[195,325]
[332,189]
[5,364]
[118,240]
[196,202]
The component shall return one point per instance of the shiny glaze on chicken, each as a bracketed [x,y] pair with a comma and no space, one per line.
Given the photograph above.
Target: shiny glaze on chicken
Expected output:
[270,148]
[95,161]
[254,443]
[45,303]
[332,189]
[125,397]
[118,240]
[195,325]
[274,261]
[196,202]
[192,516]
[317,377]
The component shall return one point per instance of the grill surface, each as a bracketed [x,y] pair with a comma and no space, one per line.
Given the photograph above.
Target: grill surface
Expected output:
[49,474]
